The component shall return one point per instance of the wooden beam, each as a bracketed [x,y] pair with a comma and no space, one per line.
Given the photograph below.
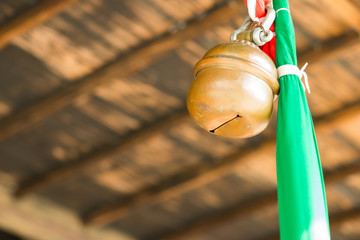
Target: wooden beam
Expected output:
[40,219]
[342,172]
[125,65]
[30,116]
[275,236]
[136,60]
[8,236]
[334,220]
[173,186]
[329,48]
[345,216]
[356,3]
[255,204]
[336,117]
[109,213]
[211,222]
[133,62]
[36,15]
[34,184]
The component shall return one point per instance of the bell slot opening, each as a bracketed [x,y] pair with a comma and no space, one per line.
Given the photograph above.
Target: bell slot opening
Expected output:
[213,131]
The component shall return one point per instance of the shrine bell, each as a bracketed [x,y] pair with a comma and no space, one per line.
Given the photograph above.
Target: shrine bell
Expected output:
[234,88]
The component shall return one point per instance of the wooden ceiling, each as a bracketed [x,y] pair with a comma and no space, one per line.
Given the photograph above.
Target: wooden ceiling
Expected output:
[96,142]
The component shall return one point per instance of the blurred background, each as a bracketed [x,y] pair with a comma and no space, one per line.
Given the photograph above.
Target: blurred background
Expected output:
[96,142]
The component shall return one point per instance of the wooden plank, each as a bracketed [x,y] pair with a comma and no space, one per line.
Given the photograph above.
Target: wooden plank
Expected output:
[37,218]
[345,216]
[125,65]
[342,172]
[109,213]
[36,15]
[256,204]
[346,11]
[335,222]
[34,184]
[8,236]
[337,117]
[225,216]
[141,58]
[275,236]
[356,3]
[329,48]
[41,181]
[188,181]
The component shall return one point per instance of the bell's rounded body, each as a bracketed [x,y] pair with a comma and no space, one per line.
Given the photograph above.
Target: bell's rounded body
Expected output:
[233,91]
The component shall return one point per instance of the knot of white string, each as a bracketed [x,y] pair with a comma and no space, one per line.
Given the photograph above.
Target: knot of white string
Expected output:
[289,69]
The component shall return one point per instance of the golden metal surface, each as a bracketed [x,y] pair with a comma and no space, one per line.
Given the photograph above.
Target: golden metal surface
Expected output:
[245,35]
[233,91]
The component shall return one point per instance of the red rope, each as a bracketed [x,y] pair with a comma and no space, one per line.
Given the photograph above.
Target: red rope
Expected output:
[268,48]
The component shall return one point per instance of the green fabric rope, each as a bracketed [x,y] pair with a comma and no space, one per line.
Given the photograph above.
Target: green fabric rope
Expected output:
[301,193]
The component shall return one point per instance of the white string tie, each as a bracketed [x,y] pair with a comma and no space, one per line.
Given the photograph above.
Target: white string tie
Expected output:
[282,9]
[289,69]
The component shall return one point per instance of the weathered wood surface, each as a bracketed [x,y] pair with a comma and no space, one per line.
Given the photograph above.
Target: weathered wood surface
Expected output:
[261,203]
[99,155]
[36,218]
[110,213]
[130,63]
[147,132]
[26,45]
[34,16]
[337,223]
[125,65]
[140,167]
[9,8]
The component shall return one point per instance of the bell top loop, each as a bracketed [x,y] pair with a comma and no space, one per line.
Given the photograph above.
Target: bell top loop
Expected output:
[256,32]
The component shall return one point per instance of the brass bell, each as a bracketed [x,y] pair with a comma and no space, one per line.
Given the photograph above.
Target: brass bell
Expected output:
[233,91]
